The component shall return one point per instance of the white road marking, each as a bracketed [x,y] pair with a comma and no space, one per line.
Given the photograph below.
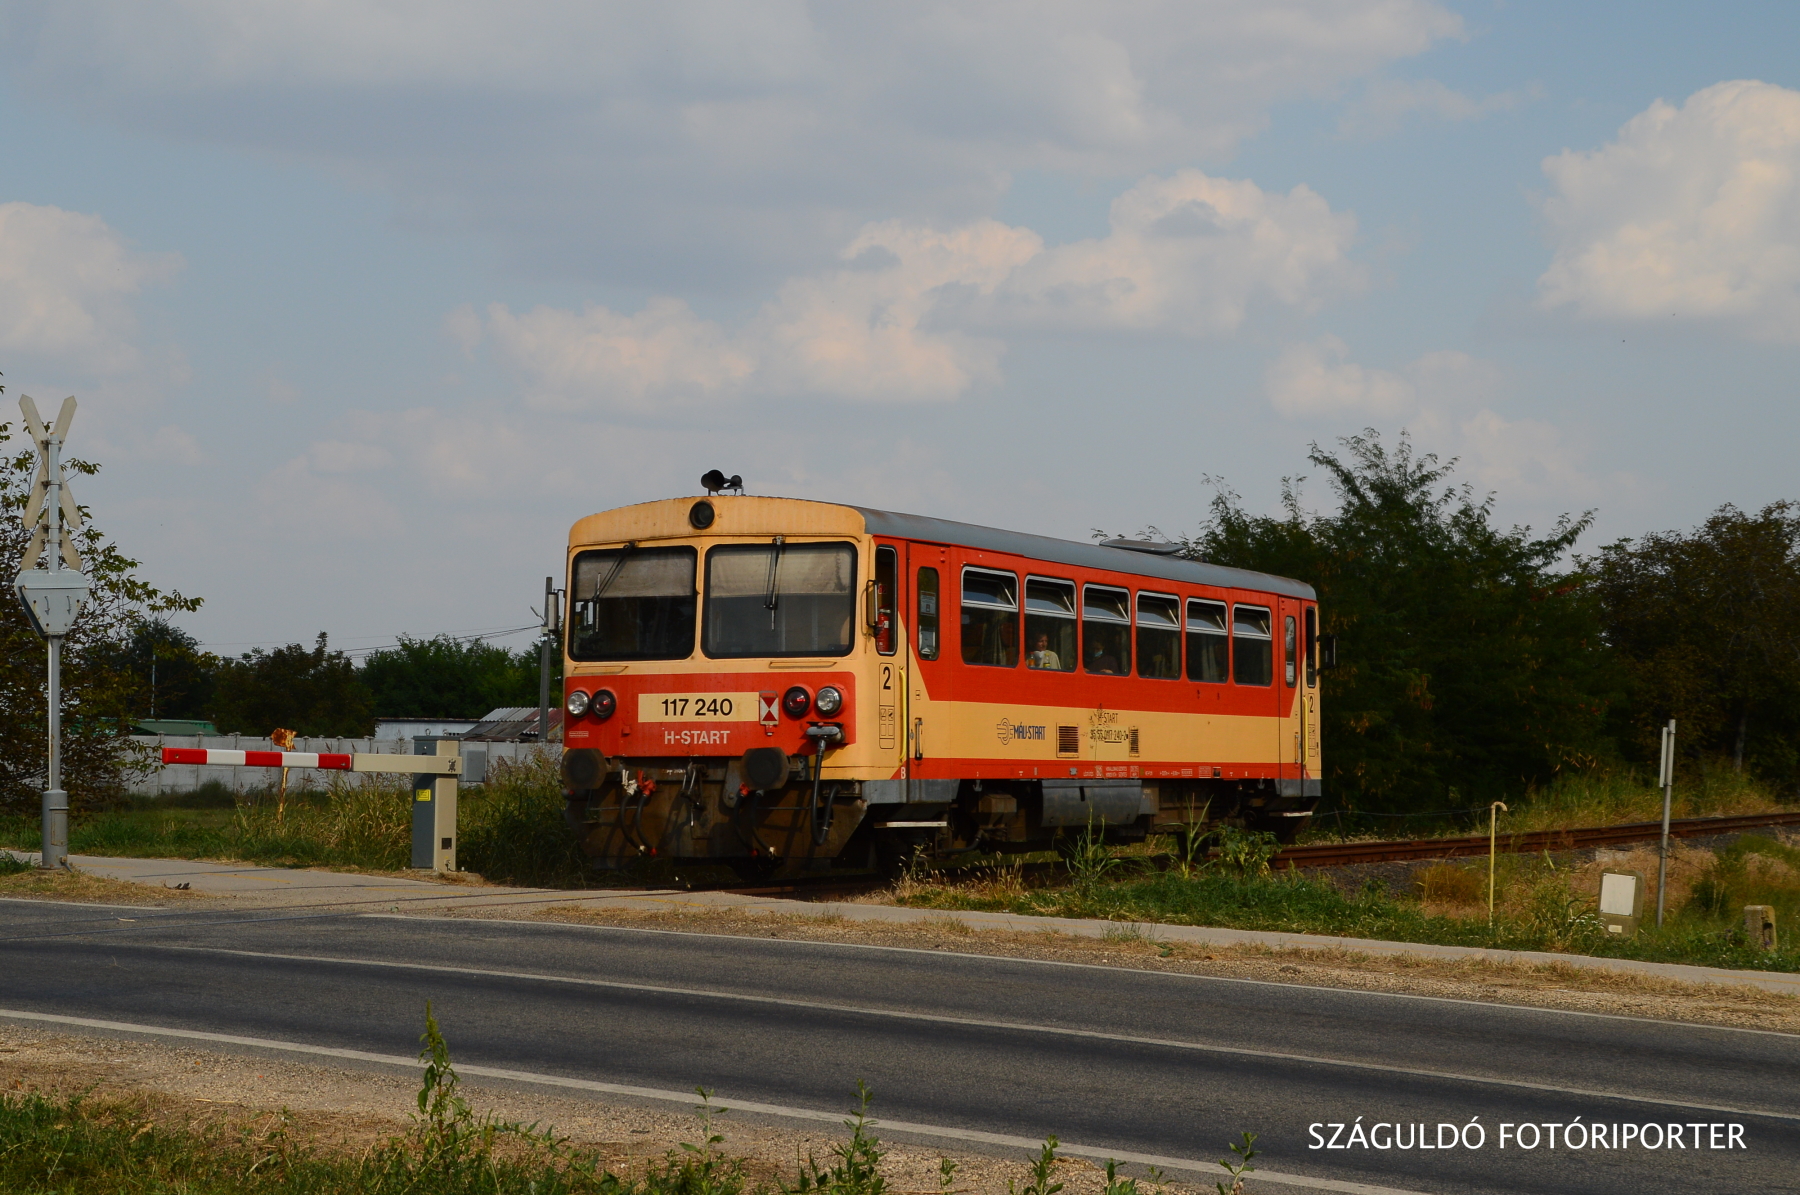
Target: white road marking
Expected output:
[975,1023]
[74,904]
[687,1097]
[1045,962]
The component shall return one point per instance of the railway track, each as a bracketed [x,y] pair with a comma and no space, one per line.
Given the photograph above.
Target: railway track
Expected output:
[1337,854]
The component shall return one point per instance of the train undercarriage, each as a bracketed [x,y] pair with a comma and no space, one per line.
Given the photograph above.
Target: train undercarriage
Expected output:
[769,816]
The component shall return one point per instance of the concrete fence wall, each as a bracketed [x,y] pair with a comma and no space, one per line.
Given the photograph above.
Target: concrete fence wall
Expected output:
[185,777]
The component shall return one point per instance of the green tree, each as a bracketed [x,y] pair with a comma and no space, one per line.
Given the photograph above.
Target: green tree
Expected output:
[170,675]
[1704,623]
[98,698]
[1471,664]
[316,692]
[443,677]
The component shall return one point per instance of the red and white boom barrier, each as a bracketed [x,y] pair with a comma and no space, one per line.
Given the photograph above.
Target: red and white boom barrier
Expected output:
[434,765]
[433,794]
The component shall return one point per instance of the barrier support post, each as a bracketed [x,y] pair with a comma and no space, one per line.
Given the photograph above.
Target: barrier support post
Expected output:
[434,809]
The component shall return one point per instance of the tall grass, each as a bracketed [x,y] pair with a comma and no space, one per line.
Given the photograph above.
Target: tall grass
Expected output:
[510,829]
[1539,909]
[1596,797]
[515,833]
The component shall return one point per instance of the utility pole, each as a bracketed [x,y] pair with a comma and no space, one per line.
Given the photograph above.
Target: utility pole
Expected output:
[52,596]
[552,623]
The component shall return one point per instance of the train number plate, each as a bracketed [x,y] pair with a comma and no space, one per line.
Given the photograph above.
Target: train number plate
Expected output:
[697,707]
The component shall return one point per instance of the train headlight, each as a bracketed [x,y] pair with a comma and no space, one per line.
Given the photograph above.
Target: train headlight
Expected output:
[829,701]
[796,701]
[603,704]
[577,704]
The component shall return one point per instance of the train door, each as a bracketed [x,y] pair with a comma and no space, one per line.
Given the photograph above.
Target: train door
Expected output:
[928,682]
[1290,689]
[890,650]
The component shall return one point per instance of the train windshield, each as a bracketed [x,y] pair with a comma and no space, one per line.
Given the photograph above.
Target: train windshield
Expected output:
[633,604]
[780,599]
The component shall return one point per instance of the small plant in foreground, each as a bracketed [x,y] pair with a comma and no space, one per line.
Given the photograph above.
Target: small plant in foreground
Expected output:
[1116,1185]
[946,1175]
[1244,1148]
[1041,1172]
[857,1170]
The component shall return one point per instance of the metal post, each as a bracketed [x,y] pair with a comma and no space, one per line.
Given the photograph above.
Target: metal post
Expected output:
[544,663]
[1493,827]
[1667,780]
[56,801]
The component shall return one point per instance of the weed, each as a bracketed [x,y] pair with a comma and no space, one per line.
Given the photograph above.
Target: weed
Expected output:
[857,1170]
[1246,852]
[1448,884]
[946,1175]
[11,865]
[1129,933]
[1236,1168]
[1116,1185]
[1041,1171]
[1087,857]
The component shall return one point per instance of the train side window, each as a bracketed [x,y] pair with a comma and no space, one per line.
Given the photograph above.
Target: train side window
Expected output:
[1253,663]
[1312,646]
[990,618]
[1106,630]
[1050,624]
[1159,636]
[887,584]
[1208,642]
[928,614]
[1288,648]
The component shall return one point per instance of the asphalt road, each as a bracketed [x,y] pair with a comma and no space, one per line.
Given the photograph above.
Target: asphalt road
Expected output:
[1134,1062]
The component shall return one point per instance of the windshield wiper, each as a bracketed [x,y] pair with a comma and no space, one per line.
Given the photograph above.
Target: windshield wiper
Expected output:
[613,573]
[771,595]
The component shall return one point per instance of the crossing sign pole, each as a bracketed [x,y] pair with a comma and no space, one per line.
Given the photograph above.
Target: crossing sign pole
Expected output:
[52,589]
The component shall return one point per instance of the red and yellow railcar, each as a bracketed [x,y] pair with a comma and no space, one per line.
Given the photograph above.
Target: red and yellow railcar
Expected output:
[786,685]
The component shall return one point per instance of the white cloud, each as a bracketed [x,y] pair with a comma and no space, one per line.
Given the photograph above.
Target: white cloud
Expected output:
[700,135]
[66,282]
[915,313]
[664,353]
[1446,399]
[1387,104]
[1693,212]
[1319,379]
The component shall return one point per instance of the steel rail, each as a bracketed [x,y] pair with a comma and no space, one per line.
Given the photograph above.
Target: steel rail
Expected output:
[1331,854]
[1338,854]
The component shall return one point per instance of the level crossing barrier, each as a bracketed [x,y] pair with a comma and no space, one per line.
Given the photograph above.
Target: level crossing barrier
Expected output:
[436,766]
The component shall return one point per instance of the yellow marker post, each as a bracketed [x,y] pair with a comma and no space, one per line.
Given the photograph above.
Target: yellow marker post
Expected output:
[1493,823]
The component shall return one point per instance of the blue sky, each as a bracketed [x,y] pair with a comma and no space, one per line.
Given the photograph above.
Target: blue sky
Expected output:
[365,304]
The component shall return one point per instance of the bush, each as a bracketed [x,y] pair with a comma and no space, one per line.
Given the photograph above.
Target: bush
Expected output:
[514,832]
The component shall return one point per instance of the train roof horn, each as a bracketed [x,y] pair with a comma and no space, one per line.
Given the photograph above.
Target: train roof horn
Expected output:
[714,481]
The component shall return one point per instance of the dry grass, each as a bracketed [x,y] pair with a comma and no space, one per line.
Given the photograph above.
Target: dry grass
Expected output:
[1622,798]
[1446,884]
[80,887]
